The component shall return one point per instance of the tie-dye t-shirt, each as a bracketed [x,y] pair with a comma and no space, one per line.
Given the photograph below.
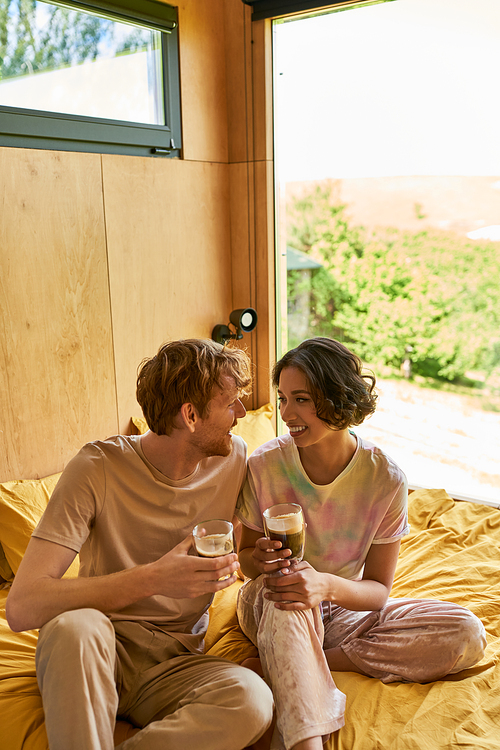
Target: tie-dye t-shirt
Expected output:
[366,504]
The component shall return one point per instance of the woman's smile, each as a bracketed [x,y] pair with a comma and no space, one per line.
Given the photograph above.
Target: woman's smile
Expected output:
[297,430]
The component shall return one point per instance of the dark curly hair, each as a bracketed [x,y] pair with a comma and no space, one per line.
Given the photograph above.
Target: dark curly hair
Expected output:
[342,394]
[187,371]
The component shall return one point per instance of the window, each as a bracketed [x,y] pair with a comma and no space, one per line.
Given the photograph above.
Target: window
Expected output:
[100,75]
[389,211]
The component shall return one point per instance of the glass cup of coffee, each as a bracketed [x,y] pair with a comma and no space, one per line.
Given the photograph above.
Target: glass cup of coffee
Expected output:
[214,539]
[285,523]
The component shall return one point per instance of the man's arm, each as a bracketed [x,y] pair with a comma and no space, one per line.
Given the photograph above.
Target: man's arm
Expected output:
[39,593]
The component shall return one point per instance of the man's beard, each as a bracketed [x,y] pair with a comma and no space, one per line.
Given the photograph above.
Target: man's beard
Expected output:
[221,447]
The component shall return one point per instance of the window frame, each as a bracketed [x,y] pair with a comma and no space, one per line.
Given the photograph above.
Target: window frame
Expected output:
[29,128]
[262,9]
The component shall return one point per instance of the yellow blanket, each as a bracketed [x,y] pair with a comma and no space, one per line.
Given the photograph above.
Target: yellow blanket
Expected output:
[452,553]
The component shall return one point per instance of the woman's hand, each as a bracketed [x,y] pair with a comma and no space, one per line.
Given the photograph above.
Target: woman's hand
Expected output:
[299,587]
[302,587]
[267,556]
[259,555]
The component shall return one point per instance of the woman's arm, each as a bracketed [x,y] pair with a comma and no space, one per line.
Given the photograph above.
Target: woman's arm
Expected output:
[258,554]
[303,587]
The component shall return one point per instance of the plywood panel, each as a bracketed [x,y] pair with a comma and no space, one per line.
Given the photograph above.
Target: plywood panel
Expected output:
[265,277]
[252,190]
[203,80]
[169,256]
[253,265]
[243,251]
[264,228]
[252,258]
[238,32]
[56,364]
[262,80]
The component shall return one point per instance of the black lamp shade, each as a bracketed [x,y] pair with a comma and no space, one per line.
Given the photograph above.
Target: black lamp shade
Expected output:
[245,319]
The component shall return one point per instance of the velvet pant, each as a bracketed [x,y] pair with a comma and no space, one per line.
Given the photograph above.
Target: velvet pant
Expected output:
[409,640]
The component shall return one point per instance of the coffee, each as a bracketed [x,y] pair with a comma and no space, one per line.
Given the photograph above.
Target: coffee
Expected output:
[214,545]
[293,542]
[288,529]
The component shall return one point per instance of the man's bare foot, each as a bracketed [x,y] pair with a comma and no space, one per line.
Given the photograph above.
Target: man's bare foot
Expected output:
[254,664]
[124,731]
[264,743]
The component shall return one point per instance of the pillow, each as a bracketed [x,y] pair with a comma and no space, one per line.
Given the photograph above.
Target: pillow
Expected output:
[222,614]
[234,646]
[22,503]
[6,573]
[425,506]
[140,425]
[224,637]
[256,428]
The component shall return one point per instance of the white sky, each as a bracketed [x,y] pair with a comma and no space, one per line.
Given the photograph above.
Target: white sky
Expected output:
[402,88]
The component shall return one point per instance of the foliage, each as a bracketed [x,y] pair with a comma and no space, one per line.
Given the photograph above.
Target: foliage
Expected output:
[318,226]
[433,293]
[30,42]
[136,41]
[322,296]
[36,37]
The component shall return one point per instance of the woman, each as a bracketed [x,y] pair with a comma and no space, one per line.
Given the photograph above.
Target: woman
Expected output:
[332,610]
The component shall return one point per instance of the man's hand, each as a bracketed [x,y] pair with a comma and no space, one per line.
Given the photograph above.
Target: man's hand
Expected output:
[299,587]
[183,576]
[39,593]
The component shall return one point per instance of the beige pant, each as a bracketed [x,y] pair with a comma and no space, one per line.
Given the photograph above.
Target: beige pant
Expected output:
[90,670]
[409,640]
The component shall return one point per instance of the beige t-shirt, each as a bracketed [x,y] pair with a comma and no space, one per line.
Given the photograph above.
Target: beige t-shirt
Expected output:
[114,508]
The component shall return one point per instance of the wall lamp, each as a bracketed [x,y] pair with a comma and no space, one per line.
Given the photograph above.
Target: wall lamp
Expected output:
[243,321]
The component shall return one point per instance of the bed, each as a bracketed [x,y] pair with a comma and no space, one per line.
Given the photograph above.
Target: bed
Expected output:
[452,553]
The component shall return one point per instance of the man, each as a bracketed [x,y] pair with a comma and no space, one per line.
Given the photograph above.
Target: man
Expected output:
[126,637]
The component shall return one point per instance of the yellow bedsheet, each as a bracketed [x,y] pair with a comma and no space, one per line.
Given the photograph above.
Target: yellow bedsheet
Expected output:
[452,553]
[21,712]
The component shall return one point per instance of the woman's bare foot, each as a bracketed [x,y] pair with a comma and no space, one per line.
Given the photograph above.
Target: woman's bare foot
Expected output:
[339,662]
[312,743]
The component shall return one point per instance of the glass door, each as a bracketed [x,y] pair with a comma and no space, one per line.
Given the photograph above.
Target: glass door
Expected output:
[388,198]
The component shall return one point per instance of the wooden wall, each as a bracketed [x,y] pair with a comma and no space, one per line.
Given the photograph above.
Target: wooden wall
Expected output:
[104,257]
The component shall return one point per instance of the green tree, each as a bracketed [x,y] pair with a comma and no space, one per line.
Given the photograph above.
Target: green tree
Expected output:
[30,42]
[317,226]
[432,291]
[313,299]
[136,41]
